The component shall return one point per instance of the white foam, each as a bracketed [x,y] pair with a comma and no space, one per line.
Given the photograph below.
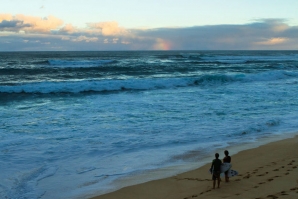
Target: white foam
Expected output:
[162,82]
[25,185]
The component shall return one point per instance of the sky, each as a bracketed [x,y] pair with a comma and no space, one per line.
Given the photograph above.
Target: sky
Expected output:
[63,25]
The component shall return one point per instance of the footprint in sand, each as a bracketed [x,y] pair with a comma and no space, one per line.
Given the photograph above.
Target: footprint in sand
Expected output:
[193,196]
[247,176]
[263,174]
[270,179]
[284,193]
[272,196]
[276,170]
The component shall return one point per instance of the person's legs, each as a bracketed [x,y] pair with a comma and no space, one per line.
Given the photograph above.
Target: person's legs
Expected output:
[227,175]
[218,179]
[216,176]
[227,178]
[214,179]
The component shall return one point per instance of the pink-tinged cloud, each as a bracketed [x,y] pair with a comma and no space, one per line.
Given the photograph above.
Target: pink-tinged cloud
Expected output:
[30,24]
[273,41]
[40,24]
[6,17]
[162,44]
[108,28]
[68,28]
[280,27]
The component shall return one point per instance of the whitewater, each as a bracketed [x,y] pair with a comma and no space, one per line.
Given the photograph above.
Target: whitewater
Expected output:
[80,124]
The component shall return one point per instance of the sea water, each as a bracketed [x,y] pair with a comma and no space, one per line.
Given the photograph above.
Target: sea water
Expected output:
[73,124]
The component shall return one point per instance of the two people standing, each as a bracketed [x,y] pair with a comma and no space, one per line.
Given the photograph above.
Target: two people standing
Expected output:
[215,168]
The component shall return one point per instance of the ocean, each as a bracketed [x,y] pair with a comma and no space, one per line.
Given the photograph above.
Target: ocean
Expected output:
[75,124]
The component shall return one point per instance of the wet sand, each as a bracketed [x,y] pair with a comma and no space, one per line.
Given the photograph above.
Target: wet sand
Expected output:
[268,171]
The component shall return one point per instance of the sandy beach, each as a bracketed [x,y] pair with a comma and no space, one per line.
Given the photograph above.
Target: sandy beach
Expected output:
[268,171]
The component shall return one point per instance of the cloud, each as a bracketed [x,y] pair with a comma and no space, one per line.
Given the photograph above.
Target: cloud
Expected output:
[29,24]
[6,17]
[68,28]
[273,41]
[12,25]
[162,44]
[265,34]
[86,39]
[108,28]
[65,38]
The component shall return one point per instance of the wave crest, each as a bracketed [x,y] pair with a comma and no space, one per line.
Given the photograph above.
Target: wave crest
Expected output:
[103,85]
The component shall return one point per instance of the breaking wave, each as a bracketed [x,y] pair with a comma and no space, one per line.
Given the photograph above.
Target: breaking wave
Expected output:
[103,85]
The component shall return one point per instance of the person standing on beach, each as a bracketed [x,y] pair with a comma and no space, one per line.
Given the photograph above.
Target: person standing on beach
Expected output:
[227,159]
[215,169]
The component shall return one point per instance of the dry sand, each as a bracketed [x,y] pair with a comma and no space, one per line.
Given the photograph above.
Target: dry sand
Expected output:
[269,171]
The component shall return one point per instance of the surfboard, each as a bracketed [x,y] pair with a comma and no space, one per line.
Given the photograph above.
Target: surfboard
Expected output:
[231,173]
[224,167]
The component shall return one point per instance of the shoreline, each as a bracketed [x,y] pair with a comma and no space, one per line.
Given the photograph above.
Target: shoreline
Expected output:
[272,166]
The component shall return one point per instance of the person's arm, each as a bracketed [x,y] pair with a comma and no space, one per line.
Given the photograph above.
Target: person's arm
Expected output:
[211,168]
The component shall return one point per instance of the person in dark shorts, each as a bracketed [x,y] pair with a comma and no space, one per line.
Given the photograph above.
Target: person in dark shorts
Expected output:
[215,169]
[227,159]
